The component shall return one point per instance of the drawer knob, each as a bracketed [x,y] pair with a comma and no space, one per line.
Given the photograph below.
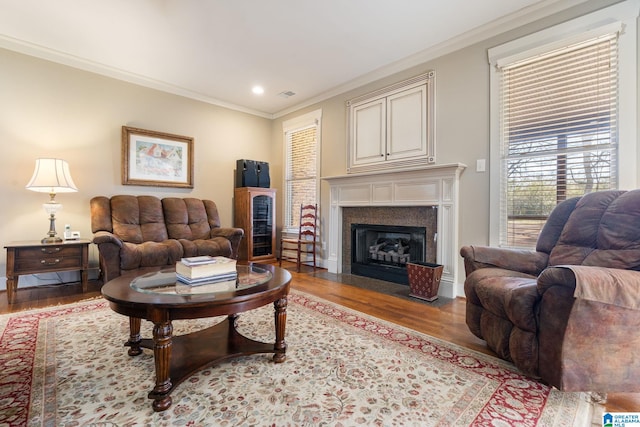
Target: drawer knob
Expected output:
[49,250]
[45,262]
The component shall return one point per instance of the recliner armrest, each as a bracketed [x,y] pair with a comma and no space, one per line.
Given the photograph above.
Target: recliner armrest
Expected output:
[233,234]
[612,286]
[109,247]
[106,237]
[228,232]
[524,261]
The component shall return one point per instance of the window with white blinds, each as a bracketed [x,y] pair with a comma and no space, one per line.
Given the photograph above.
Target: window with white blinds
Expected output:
[558,132]
[301,167]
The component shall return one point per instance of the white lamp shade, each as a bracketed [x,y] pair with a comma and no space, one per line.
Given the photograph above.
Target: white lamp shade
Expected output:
[51,176]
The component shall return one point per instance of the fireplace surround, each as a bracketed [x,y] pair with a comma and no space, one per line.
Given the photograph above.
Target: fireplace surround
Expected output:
[435,185]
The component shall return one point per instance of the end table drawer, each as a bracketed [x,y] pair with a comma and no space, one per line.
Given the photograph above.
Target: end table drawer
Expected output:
[49,262]
[48,252]
[49,257]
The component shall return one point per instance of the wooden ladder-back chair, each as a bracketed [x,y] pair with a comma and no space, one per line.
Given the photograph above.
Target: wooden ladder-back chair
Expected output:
[307,238]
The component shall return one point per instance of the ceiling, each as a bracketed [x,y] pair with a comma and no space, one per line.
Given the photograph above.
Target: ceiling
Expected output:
[216,50]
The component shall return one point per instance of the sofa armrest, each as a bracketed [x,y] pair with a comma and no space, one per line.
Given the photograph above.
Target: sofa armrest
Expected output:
[611,286]
[109,247]
[233,234]
[524,261]
[106,237]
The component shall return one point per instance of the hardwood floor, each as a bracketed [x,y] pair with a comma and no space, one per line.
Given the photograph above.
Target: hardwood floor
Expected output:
[446,322]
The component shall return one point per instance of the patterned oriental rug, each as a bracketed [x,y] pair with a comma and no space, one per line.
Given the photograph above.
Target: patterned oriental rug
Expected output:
[67,366]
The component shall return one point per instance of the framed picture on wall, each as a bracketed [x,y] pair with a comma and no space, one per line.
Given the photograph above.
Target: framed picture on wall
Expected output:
[156,159]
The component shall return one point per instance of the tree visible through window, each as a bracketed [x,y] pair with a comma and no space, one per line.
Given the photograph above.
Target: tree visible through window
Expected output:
[559,120]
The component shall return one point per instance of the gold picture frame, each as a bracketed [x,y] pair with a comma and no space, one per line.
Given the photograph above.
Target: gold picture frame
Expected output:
[156,159]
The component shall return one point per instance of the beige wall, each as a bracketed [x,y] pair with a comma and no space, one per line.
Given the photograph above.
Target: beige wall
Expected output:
[53,110]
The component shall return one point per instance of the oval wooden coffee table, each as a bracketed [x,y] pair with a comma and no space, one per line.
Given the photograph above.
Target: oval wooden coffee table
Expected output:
[155,295]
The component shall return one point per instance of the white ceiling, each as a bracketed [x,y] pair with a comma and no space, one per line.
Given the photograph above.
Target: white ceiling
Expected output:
[216,50]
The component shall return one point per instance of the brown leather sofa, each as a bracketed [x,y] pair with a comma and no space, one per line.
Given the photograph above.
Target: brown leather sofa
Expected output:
[567,312]
[144,231]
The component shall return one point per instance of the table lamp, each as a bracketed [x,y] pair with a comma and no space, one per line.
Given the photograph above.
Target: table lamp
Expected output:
[51,176]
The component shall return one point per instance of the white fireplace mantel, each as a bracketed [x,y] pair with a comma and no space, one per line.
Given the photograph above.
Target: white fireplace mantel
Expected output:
[435,185]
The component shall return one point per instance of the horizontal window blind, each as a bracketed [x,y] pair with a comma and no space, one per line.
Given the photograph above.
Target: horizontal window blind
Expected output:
[559,122]
[301,172]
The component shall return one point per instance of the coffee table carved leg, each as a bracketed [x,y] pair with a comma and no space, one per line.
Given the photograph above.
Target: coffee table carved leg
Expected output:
[280,346]
[134,336]
[162,332]
[233,321]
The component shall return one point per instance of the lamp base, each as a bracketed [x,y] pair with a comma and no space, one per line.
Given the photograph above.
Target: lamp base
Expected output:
[51,236]
[49,239]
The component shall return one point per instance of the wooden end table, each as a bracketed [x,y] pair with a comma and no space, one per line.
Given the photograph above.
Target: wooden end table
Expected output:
[155,295]
[33,257]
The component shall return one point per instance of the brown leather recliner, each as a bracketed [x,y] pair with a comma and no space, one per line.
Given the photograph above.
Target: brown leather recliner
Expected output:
[144,231]
[569,311]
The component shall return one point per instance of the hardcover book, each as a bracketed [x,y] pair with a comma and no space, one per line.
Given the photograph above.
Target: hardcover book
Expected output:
[205,288]
[207,279]
[205,267]
[198,260]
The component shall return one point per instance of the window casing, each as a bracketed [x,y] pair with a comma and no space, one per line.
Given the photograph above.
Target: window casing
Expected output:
[302,143]
[555,129]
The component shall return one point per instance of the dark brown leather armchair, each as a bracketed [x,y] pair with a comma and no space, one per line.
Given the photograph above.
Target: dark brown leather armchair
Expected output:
[567,312]
[144,231]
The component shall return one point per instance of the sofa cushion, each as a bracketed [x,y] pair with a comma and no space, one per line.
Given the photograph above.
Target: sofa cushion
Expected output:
[552,228]
[220,246]
[501,310]
[509,297]
[101,220]
[186,218]
[602,231]
[138,219]
[150,254]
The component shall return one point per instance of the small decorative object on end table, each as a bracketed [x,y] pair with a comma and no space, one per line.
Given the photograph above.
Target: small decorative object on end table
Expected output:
[31,257]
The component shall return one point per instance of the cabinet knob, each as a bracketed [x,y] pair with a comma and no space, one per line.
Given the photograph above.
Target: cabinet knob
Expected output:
[45,262]
[49,250]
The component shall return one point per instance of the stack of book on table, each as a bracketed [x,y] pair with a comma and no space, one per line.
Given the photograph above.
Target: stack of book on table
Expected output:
[203,270]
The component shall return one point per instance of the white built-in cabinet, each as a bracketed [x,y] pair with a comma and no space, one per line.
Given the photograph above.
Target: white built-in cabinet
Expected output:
[393,127]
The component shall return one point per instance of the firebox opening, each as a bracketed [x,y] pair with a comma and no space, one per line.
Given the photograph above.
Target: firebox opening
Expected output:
[383,251]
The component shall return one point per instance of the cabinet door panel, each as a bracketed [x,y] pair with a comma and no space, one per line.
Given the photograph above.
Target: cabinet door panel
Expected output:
[369,132]
[393,127]
[406,124]
[262,226]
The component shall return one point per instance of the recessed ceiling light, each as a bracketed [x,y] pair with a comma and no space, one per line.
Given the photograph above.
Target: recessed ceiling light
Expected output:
[258,90]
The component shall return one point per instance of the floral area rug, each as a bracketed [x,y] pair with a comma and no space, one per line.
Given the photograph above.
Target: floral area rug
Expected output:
[67,366]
